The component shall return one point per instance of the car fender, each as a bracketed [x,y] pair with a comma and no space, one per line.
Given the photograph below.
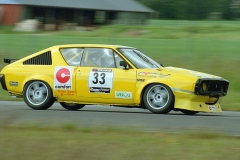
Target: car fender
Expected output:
[140,89]
[45,78]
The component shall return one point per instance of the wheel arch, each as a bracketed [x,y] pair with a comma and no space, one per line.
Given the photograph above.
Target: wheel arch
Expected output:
[42,78]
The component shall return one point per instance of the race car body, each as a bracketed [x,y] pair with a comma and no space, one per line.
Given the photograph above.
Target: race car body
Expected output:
[80,74]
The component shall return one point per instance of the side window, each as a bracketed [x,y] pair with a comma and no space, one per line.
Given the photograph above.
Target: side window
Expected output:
[118,59]
[72,55]
[98,57]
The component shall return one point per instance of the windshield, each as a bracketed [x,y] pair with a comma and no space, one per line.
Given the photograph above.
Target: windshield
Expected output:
[139,59]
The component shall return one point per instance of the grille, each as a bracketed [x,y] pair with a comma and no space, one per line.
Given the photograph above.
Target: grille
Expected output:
[43,59]
[212,87]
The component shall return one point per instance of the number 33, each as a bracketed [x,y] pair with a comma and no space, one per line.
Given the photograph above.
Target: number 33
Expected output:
[96,77]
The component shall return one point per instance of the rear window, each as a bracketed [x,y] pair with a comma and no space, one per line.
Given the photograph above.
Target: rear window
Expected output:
[72,55]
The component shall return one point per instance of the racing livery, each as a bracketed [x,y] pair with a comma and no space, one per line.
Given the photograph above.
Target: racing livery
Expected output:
[76,75]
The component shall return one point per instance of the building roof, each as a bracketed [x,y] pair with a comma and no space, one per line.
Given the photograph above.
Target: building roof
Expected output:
[8,2]
[111,5]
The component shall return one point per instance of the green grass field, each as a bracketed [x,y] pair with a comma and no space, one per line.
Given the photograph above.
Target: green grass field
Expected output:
[206,46]
[30,142]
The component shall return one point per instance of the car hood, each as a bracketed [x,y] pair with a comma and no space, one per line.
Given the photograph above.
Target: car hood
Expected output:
[187,72]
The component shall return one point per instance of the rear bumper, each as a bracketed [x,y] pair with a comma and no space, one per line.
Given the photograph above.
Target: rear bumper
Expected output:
[3,82]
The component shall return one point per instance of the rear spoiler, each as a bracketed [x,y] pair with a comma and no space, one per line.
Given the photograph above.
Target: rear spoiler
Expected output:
[7,60]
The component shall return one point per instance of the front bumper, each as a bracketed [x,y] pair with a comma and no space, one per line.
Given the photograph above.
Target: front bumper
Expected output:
[211,87]
[193,102]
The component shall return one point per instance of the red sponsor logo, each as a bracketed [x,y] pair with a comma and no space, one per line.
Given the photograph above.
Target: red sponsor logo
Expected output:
[63,75]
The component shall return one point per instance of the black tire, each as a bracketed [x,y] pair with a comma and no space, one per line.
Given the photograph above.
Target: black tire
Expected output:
[158,98]
[38,95]
[71,106]
[187,112]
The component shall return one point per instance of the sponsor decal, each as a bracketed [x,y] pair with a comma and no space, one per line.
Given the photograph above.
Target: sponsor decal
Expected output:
[143,73]
[140,80]
[122,94]
[101,70]
[212,108]
[100,80]
[63,78]
[153,74]
[13,83]
[164,75]
[66,93]
[102,90]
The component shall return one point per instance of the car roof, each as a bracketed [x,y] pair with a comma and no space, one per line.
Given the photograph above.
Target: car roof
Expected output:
[90,46]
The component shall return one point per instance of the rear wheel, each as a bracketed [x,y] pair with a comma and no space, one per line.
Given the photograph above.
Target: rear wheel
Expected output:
[38,95]
[158,98]
[71,106]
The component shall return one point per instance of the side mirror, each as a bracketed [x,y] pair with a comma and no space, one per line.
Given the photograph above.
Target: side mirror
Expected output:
[124,64]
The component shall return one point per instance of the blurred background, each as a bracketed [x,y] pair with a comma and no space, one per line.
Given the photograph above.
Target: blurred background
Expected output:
[193,34]
[201,35]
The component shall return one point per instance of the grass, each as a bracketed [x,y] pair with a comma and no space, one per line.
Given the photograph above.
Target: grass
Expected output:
[36,142]
[206,46]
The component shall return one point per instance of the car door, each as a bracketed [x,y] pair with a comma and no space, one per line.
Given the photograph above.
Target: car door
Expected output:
[100,78]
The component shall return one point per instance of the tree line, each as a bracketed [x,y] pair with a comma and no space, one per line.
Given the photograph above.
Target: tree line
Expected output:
[194,9]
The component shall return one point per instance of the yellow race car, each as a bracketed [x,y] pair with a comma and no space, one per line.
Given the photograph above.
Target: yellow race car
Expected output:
[81,74]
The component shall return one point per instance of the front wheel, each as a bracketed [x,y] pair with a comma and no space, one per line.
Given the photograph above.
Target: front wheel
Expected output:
[38,95]
[158,98]
[71,106]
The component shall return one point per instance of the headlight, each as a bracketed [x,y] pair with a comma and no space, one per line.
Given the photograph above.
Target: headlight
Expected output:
[204,86]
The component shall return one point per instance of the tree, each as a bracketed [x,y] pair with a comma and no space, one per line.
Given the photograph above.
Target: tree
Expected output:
[193,9]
